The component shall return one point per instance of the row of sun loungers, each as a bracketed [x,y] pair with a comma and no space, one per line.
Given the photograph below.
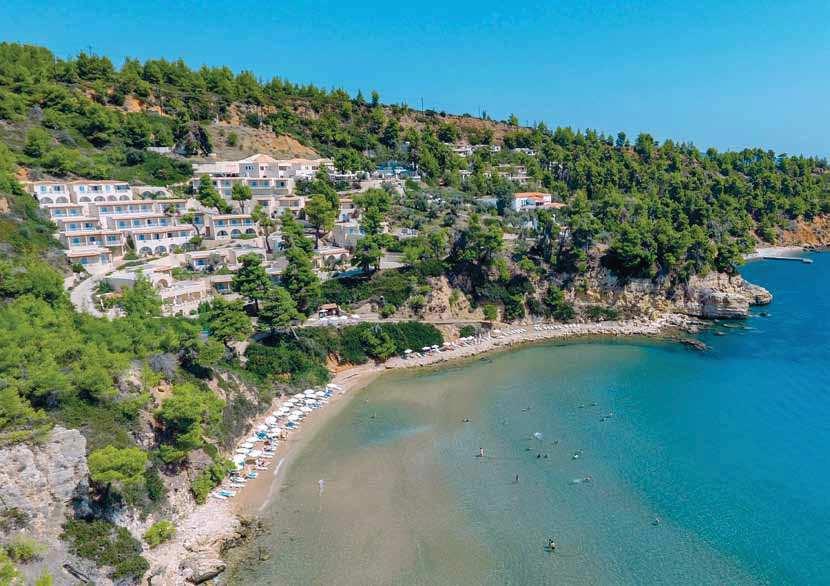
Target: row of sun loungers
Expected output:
[255,452]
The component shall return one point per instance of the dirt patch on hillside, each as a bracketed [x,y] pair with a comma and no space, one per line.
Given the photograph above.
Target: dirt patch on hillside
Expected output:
[816,232]
[254,140]
[464,123]
[134,104]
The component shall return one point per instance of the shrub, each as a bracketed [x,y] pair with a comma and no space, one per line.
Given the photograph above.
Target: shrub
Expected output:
[107,545]
[154,484]
[491,312]
[393,286]
[417,303]
[8,573]
[601,313]
[24,549]
[536,307]
[387,310]
[208,479]
[558,307]
[159,532]
[467,331]
[287,360]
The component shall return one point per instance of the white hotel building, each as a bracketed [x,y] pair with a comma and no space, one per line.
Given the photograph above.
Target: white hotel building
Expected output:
[96,219]
[271,180]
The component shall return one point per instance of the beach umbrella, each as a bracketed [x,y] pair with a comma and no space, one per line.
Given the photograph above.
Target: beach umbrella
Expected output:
[293,417]
[255,454]
[334,386]
[299,396]
[407,351]
[246,445]
[297,412]
[426,348]
[262,427]
[270,420]
[243,450]
[305,409]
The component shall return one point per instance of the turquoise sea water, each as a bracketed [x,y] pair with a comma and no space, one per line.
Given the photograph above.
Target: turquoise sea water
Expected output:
[728,448]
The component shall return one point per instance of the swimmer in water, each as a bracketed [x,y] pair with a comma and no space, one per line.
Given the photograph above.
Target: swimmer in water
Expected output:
[466,420]
[656,521]
[516,480]
[551,544]
[481,452]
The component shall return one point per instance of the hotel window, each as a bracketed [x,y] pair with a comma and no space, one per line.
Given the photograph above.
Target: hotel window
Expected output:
[76,240]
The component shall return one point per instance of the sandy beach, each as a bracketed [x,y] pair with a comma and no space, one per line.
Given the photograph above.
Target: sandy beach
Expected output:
[259,491]
[202,533]
[768,251]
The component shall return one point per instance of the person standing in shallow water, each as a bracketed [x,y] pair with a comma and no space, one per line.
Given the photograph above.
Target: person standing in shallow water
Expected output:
[481,452]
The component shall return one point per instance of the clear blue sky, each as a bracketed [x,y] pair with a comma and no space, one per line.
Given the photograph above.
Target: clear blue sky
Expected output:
[719,73]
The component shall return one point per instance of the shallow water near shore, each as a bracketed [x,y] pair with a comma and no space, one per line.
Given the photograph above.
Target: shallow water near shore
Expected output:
[727,447]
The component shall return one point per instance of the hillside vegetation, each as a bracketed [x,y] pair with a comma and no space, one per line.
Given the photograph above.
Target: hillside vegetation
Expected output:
[660,206]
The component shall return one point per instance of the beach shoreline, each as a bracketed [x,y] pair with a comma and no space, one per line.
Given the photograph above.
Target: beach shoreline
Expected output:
[259,491]
[206,532]
[774,251]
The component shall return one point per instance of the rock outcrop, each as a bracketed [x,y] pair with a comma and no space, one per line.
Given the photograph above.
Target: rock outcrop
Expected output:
[199,569]
[720,296]
[41,480]
[714,296]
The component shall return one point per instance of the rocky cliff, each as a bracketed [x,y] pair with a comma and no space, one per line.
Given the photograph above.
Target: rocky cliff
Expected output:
[38,484]
[714,296]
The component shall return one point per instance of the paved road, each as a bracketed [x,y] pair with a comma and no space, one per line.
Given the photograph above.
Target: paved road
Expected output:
[81,295]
